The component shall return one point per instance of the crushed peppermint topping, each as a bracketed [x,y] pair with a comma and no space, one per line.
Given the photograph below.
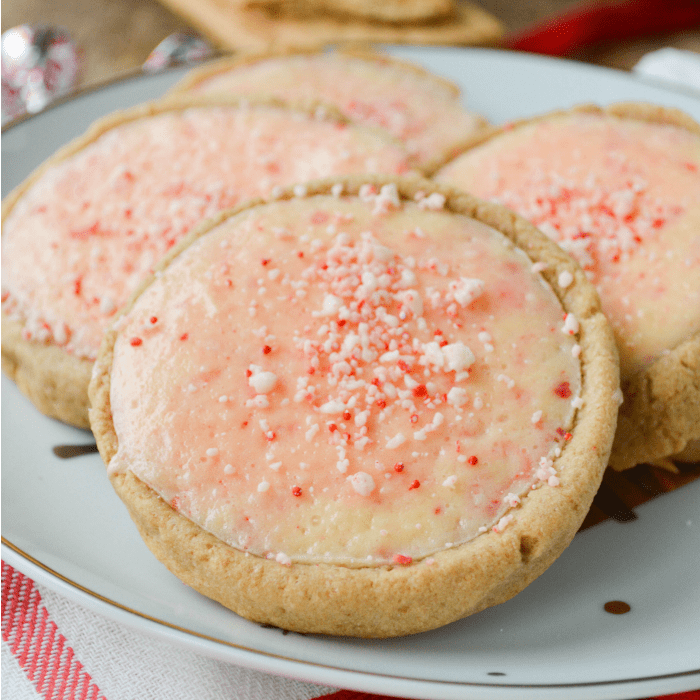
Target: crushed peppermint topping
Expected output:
[362,483]
[565,279]
[379,362]
[588,219]
[571,325]
[263,382]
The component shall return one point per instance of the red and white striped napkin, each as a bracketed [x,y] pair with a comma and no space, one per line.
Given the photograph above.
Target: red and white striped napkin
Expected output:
[53,649]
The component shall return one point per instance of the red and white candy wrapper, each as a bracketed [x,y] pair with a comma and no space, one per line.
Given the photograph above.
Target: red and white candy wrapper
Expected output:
[38,65]
[178,49]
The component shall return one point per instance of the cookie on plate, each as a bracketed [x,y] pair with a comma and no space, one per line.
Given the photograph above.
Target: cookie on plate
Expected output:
[618,188]
[83,231]
[423,110]
[363,411]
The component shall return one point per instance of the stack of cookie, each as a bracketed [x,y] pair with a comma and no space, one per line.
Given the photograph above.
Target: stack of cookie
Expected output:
[385,401]
[264,25]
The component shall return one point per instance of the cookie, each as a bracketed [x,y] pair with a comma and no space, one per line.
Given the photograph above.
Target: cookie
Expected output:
[393,11]
[359,412]
[83,230]
[256,30]
[617,188]
[422,110]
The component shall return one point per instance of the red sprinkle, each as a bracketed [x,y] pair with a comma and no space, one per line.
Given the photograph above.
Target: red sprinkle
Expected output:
[381,403]
[341,323]
[402,559]
[136,341]
[443,343]
[414,485]
[403,366]
[473,460]
[420,390]
[153,319]
[332,427]
[398,467]
[248,373]
[296,491]
[311,370]
[568,436]
[563,390]
[264,261]
[347,415]
[184,336]
[300,254]
[267,350]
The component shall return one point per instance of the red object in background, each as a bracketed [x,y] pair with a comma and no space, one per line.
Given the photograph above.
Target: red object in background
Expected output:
[595,23]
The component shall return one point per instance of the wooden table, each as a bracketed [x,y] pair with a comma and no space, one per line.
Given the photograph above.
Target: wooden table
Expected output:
[116,36]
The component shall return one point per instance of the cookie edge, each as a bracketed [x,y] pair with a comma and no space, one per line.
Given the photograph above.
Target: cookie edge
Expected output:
[326,599]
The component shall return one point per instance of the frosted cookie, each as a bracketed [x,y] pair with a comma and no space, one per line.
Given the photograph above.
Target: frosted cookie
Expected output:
[617,188]
[422,110]
[365,401]
[83,230]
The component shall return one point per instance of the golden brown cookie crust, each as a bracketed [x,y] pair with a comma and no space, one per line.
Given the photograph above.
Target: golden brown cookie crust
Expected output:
[55,381]
[388,601]
[661,409]
[252,30]
[393,11]
[197,76]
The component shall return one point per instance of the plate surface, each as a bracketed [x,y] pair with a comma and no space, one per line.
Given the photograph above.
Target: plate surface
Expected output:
[63,525]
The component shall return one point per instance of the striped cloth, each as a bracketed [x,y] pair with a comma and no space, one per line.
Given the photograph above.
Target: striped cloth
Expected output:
[53,649]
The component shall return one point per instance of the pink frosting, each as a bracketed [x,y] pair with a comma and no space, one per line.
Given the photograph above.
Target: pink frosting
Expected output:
[421,110]
[622,197]
[329,380]
[77,244]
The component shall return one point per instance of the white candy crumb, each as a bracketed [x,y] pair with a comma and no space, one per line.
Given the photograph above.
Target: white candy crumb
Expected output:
[396,441]
[565,279]
[362,483]
[262,382]
[571,325]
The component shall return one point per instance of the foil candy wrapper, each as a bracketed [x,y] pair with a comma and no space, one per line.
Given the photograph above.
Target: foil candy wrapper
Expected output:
[179,49]
[39,64]
[42,63]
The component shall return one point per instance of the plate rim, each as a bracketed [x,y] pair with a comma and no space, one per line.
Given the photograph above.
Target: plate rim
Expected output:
[166,630]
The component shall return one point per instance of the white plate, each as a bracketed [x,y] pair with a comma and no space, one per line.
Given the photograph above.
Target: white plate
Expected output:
[63,525]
